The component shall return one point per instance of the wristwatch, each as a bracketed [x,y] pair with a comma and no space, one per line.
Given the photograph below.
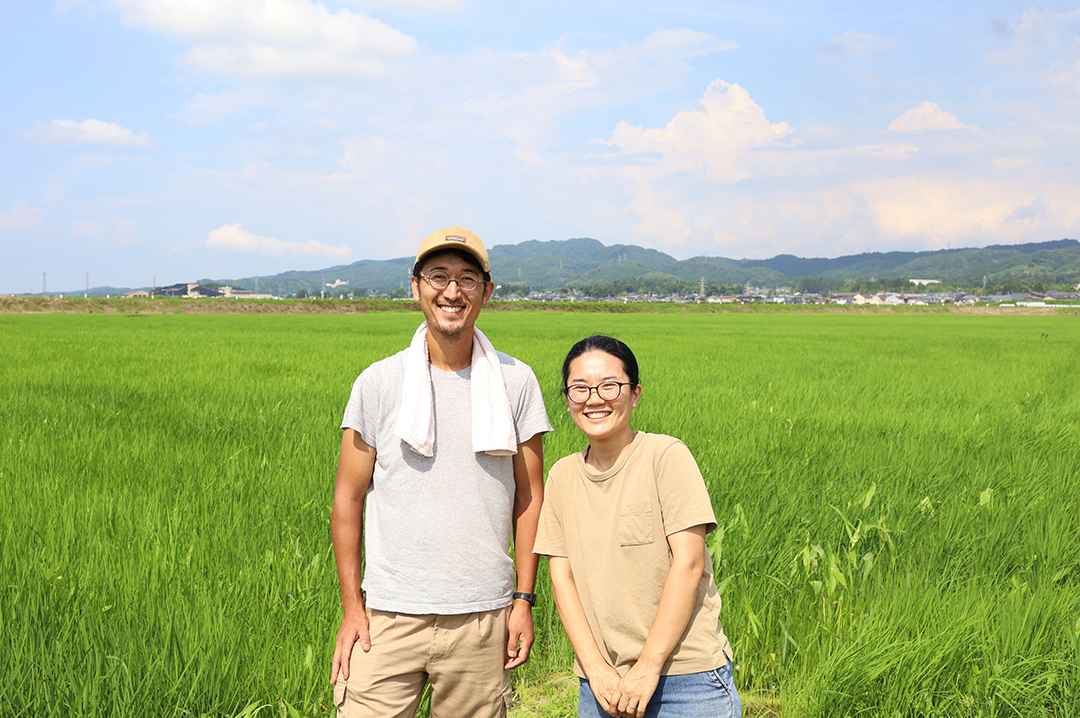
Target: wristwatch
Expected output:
[530,597]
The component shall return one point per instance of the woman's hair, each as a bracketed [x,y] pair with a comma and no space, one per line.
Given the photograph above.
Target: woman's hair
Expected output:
[608,345]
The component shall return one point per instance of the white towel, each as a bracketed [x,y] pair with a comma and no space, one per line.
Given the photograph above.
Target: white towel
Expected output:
[492,423]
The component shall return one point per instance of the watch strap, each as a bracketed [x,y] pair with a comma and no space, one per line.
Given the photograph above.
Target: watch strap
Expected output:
[530,597]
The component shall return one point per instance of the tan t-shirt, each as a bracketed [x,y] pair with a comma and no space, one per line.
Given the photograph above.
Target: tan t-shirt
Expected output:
[612,526]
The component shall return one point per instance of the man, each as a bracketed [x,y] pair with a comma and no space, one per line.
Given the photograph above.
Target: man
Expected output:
[441,458]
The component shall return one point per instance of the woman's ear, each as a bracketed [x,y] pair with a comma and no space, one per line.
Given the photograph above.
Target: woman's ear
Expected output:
[635,396]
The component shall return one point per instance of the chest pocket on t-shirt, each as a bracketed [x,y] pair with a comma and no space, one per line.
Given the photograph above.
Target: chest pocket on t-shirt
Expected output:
[635,524]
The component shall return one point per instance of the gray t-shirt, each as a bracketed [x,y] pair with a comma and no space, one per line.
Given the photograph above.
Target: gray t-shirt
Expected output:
[437,529]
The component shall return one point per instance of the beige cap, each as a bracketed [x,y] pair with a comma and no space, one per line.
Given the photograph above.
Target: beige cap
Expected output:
[455,238]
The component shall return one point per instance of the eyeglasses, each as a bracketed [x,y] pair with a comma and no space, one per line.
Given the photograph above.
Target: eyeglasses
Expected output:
[607,391]
[439,280]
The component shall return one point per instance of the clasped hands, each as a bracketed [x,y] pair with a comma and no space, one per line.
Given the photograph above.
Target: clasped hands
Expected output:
[625,696]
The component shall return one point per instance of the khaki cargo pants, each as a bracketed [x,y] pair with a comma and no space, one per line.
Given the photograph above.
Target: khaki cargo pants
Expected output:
[461,657]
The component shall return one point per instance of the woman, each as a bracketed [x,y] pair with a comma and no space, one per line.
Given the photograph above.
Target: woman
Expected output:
[624,525]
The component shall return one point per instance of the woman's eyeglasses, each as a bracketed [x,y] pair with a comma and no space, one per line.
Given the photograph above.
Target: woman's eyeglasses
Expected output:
[607,391]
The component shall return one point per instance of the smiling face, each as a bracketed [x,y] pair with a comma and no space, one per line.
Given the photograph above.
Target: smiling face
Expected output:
[602,420]
[450,312]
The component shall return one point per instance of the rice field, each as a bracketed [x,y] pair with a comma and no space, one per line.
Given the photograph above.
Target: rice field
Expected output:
[897,494]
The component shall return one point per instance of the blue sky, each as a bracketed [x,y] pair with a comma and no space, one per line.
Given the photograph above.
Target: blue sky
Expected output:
[173,140]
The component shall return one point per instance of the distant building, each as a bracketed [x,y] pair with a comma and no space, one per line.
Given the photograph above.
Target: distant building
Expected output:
[189,291]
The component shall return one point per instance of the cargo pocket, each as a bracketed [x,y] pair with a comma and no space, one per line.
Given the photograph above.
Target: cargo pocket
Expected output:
[636,524]
[339,693]
[507,697]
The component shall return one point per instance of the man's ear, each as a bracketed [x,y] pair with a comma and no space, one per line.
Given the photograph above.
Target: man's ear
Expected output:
[415,288]
[489,289]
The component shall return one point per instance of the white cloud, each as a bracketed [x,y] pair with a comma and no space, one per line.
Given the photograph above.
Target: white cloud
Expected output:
[1064,75]
[857,45]
[530,92]
[714,142]
[234,237]
[72,170]
[1033,31]
[857,53]
[940,209]
[725,179]
[927,116]
[903,213]
[87,132]
[441,7]
[272,39]
[1011,163]
[1032,212]
[208,108]
[88,228]
[117,232]
[22,217]
[1045,44]
[266,62]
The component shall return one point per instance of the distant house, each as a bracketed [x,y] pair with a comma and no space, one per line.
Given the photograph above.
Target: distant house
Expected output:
[136,293]
[173,290]
[190,291]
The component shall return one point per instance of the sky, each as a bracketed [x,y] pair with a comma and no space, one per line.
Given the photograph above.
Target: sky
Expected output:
[150,142]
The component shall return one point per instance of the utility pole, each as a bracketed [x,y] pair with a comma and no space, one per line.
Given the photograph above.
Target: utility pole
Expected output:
[87,292]
[703,286]
[43,290]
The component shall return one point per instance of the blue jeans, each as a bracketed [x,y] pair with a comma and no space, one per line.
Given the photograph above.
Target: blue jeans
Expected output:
[710,694]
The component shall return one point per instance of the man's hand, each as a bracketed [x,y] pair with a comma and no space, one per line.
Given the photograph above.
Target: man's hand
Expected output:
[353,631]
[520,628]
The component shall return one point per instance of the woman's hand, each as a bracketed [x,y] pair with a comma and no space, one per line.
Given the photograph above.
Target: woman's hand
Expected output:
[636,689]
[604,684]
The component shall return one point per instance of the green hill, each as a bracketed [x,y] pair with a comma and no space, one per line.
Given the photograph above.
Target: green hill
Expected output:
[584,262]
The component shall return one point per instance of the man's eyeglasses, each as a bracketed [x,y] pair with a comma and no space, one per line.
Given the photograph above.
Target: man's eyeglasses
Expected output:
[440,280]
[607,391]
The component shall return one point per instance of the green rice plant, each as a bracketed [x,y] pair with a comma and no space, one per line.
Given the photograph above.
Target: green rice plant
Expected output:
[895,496]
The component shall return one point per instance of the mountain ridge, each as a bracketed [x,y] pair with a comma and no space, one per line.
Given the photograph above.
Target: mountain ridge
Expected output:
[583,263]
